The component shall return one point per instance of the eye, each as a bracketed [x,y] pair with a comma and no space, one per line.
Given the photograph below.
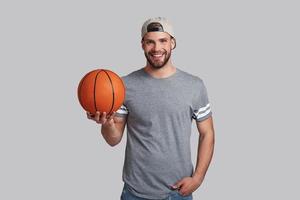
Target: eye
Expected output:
[149,42]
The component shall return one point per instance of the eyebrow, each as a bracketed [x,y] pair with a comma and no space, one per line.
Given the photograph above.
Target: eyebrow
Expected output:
[164,38]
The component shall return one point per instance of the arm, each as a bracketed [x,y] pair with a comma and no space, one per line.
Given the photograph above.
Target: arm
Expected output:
[187,185]
[112,127]
[205,148]
[113,133]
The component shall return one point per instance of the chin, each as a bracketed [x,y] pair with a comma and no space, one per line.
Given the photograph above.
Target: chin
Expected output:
[157,66]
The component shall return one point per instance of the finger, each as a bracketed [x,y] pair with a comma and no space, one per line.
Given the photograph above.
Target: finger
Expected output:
[173,187]
[88,114]
[111,119]
[97,116]
[177,185]
[182,191]
[103,118]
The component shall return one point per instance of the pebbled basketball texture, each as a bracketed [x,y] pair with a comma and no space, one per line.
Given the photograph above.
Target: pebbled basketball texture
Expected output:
[101,90]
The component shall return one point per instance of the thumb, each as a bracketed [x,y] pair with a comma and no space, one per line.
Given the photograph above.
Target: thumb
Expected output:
[111,121]
[177,185]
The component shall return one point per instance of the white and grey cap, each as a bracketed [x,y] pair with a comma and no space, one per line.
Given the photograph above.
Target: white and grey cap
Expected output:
[157,24]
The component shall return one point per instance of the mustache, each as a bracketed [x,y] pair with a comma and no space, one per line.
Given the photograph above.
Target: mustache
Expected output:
[157,52]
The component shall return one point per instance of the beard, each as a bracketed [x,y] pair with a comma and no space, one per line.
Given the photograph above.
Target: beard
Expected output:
[158,63]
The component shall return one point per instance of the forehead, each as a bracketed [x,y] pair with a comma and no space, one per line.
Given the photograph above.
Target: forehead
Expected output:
[156,35]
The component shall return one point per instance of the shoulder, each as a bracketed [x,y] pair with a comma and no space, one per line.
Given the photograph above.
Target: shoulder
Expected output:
[191,78]
[132,77]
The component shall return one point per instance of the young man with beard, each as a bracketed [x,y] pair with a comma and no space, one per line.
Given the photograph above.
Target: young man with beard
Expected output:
[161,102]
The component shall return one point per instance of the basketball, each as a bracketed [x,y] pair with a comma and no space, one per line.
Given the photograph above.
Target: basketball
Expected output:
[101,90]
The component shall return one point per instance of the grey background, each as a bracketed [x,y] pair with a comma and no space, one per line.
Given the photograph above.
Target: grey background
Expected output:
[247,52]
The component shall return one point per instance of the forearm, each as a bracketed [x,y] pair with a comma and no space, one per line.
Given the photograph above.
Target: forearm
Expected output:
[111,134]
[204,155]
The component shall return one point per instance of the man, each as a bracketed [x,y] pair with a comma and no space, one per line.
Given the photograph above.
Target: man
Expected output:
[161,102]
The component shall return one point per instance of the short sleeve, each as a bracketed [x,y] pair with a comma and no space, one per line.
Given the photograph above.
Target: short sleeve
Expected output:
[122,112]
[201,105]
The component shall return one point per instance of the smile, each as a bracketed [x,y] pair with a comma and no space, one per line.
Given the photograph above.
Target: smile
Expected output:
[157,56]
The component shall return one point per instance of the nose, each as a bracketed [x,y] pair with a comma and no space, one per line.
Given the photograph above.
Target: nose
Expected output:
[157,47]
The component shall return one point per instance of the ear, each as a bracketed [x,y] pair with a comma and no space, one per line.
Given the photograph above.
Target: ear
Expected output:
[142,44]
[173,43]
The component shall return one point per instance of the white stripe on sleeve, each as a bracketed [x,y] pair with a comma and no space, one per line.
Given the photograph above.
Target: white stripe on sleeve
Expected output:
[201,112]
[122,110]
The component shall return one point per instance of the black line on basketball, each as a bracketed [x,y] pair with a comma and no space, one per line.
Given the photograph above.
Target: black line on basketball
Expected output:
[113,92]
[79,89]
[95,83]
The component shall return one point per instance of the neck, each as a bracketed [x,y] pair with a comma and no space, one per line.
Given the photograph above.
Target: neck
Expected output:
[167,70]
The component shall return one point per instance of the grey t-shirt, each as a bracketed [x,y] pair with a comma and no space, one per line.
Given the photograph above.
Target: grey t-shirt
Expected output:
[159,116]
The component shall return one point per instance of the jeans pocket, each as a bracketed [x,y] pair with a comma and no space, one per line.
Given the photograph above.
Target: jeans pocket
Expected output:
[189,197]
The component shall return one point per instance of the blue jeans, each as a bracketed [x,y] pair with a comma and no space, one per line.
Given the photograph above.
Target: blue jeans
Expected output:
[173,195]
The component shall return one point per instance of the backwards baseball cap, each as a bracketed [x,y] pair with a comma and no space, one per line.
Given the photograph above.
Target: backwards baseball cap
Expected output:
[157,24]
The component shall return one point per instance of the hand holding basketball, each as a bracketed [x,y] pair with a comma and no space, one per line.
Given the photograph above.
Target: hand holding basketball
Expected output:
[101,118]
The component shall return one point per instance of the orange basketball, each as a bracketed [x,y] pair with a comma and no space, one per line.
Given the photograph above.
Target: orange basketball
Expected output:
[101,90]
